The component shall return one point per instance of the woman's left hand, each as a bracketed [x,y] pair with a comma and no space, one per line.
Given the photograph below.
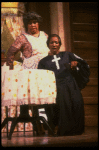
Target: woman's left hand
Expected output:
[73,64]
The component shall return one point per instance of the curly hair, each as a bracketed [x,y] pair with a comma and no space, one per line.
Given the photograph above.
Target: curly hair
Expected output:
[31,16]
[53,35]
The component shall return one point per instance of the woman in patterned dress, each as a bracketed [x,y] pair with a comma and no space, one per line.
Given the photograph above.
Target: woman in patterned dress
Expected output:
[32,44]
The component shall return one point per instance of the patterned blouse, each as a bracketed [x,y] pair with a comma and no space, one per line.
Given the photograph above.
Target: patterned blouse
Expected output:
[23,44]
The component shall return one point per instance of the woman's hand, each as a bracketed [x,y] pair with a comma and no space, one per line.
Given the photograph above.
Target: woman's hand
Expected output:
[73,64]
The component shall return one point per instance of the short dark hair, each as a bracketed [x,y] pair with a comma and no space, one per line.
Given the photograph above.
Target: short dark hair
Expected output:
[53,35]
[31,16]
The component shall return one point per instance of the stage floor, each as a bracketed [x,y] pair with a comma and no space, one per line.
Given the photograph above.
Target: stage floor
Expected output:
[88,139]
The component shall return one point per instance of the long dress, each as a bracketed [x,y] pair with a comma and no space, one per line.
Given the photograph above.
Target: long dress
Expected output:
[69,111]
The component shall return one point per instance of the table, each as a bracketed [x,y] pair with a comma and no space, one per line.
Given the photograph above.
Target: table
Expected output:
[27,87]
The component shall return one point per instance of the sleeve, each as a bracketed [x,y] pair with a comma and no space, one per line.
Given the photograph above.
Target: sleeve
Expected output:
[41,65]
[15,48]
[82,71]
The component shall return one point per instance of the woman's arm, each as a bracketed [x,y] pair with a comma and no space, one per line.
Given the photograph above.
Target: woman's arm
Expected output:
[14,48]
[80,70]
[10,56]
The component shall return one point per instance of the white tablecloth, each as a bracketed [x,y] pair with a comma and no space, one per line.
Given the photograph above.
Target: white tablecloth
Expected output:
[28,86]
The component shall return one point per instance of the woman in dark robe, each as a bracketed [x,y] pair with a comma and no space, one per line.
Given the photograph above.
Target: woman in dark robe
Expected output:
[72,75]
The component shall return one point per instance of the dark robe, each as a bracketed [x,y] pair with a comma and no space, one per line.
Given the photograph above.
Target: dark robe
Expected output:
[68,113]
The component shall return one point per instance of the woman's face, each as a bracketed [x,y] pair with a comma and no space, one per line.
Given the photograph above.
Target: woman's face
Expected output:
[33,27]
[54,45]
